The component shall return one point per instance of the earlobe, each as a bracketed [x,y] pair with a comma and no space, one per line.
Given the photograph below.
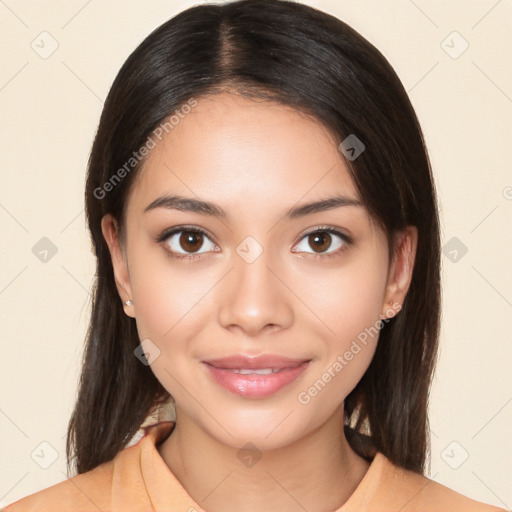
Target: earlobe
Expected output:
[400,271]
[109,228]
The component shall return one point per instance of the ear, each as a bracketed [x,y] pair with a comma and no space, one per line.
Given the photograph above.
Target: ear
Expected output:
[401,267]
[110,230]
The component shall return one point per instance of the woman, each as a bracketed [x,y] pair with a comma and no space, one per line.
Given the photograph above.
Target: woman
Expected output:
[266,231]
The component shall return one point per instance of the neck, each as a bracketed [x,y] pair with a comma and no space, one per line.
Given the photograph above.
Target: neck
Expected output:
[317,473]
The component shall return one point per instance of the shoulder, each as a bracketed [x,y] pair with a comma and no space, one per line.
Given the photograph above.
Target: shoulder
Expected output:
[427,495]
[117,484]
[87,491]
[409,491]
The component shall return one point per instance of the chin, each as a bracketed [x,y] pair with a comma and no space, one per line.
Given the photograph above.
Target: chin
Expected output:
[267,429]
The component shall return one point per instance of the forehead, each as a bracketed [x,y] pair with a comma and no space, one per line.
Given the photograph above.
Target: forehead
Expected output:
[245,151]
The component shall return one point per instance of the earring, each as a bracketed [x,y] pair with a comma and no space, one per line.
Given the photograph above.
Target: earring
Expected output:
[128,302]
[390,312]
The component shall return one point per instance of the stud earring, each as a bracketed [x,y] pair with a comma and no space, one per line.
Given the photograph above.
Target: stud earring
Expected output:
[390,312]
[128,302]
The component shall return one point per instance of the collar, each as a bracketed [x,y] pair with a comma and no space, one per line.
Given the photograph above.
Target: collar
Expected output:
[154,485]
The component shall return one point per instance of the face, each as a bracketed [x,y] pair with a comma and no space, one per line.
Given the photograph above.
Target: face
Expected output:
[300,288]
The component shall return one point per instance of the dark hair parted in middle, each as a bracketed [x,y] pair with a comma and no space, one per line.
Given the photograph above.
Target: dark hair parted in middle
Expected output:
[298,56]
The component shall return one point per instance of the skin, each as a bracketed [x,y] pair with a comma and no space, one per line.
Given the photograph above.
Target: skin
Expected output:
[256,160]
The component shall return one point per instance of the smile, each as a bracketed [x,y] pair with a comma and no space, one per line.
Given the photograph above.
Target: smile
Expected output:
[255,377]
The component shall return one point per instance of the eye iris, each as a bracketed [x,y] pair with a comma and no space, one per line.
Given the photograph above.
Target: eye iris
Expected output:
[320,240]
[191,238]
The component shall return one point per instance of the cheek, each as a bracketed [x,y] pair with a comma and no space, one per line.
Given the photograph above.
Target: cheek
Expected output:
[349,304]
[348,299]
[170,299]
[175,304]
[171,308]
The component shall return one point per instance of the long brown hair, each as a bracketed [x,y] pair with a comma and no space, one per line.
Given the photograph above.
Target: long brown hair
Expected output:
[294,54]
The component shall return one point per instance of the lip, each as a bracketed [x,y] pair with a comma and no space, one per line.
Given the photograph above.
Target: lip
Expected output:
[255,385]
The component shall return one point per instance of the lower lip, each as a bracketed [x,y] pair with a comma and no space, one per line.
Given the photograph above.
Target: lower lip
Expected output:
[254,385]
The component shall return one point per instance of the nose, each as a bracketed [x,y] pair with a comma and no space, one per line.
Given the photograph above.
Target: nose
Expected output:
[254,298]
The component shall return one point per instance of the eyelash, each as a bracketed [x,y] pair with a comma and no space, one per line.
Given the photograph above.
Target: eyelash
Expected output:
[165,235]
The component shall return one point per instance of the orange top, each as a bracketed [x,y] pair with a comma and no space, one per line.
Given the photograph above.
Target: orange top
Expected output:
[138,480]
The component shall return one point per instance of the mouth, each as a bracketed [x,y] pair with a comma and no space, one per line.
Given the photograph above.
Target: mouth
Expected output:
[255,377]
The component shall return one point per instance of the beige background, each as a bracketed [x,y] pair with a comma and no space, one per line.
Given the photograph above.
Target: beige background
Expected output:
[49,112]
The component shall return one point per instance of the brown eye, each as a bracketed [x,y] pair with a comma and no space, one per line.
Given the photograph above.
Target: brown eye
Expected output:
[319,241]
[185,242]
[191,241]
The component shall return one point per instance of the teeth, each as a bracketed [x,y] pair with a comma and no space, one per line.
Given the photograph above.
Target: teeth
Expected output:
[258,371]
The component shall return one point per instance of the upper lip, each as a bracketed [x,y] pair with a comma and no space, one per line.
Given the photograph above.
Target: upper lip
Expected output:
[256,362]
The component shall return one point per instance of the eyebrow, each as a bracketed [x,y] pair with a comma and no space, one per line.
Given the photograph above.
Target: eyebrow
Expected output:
[189,204]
